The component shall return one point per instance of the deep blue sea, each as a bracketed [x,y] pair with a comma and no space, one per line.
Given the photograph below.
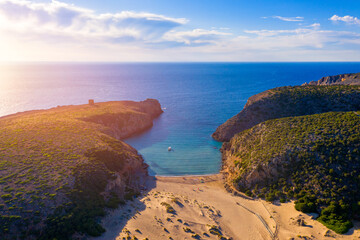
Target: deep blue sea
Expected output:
[196,97]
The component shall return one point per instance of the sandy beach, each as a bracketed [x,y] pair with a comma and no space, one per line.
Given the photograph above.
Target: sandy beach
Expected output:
[200,208]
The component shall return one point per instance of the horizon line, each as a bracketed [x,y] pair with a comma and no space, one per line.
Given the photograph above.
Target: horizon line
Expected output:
[163,62]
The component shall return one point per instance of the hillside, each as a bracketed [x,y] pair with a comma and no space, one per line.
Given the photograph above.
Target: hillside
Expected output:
[314,159]
[61,168]
[290,101]
[341,79]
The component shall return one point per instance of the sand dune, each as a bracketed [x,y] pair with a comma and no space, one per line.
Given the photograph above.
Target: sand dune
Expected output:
[200,208]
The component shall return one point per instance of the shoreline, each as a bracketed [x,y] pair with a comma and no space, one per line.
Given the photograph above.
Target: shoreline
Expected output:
[180,176]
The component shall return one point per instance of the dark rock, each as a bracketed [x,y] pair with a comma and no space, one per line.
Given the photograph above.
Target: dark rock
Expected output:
[342,79]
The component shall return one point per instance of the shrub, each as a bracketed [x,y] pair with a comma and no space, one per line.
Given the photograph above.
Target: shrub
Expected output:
[168,207]
[335,217]
[6,196]
[113,201]
[305,205]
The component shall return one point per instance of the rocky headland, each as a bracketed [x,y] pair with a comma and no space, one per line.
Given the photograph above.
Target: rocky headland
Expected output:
[62,168]
[288,102]
[299,143]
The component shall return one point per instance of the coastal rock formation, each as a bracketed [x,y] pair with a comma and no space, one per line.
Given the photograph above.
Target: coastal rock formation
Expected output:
[121,125]
[61,168]
[290,101]
[342,79]
[314,159]
[299,143]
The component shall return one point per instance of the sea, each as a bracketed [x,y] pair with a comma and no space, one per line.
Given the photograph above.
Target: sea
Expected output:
[196,98]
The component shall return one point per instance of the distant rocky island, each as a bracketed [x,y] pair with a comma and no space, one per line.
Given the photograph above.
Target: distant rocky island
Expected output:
[299,143]
[61,168]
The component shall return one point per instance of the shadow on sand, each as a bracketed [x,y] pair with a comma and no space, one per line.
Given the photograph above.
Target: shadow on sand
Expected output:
[116,220]
[353,229]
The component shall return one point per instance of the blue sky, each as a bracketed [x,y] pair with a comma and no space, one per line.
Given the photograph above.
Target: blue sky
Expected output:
[236,14]
[197,30]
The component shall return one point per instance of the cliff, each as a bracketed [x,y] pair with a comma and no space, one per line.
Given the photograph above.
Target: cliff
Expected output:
[61,168]
[290,101]
[313,159]
[120,124]
[342,79]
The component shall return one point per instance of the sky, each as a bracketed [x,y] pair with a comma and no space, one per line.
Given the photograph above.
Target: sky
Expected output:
[179,31]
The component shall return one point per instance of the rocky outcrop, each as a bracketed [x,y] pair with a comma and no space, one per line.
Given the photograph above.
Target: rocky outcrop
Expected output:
[245,119]
[151,107]
[290,101]
[122,125]
[342,79]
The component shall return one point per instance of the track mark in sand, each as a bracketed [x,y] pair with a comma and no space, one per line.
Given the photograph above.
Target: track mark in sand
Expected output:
[276,222]
[273,236]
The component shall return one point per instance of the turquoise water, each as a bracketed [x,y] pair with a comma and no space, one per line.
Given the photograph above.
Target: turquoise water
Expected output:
[198,97]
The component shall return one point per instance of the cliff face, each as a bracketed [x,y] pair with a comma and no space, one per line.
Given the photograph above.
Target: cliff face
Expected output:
[121,125]
[66,165]
[290,101]
[342,79]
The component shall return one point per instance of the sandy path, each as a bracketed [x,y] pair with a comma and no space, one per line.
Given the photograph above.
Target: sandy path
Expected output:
[202,203]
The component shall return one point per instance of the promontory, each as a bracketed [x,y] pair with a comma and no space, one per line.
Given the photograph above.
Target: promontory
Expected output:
[62,168]
[299,143]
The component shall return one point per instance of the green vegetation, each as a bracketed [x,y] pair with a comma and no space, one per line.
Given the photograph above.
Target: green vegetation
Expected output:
[306,204]
[168,207]
[188,230]
[290,102]
[314,159]
[196,236]
[336,218]
[55,166]
[215,230]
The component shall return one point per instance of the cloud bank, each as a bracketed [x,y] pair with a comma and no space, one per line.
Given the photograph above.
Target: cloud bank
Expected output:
[62,19]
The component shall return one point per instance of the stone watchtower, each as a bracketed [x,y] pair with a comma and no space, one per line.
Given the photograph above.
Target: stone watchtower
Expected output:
[91,101]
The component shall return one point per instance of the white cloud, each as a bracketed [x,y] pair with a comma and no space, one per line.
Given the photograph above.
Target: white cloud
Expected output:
[315,25]
[196,36]
[347,19]
[289,19]
[66,20]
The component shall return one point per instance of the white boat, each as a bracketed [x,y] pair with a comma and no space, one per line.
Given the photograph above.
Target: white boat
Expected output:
[169,149]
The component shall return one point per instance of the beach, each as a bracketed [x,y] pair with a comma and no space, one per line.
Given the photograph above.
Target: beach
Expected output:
[199,207]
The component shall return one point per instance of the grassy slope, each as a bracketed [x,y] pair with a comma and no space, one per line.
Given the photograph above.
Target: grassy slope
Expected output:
[290,101]
[314,159]
[50,159]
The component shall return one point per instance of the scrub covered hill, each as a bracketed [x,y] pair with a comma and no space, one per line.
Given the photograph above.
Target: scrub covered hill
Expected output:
[287,102]
[61,168]
[314,159]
